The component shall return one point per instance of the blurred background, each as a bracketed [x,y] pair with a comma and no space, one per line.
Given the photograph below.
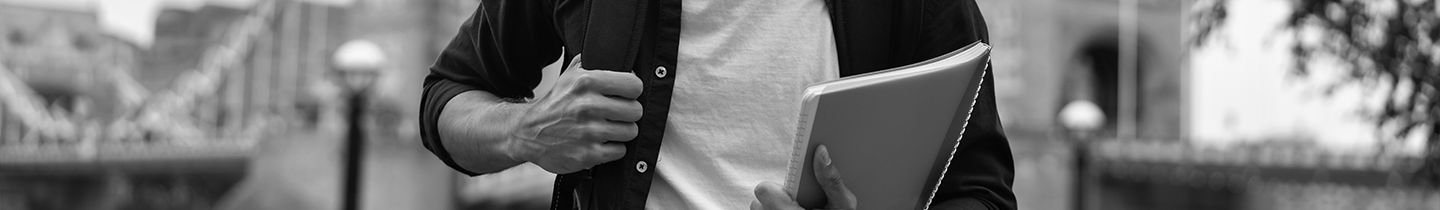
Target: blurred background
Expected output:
[1109,104]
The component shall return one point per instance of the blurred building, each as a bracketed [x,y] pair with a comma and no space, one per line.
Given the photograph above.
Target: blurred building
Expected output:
[1049,53]
[215,104]
[1131,58]
[1052,52]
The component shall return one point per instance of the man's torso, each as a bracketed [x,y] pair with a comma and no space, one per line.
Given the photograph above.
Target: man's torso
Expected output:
[732,113]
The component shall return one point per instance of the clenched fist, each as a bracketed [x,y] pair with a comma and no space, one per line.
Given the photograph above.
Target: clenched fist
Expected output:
[581,122]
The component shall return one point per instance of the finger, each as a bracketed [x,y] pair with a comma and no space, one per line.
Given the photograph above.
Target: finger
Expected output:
[604,131]
[773,196]
[836,193]
[615,109]
[604,153]
[574,62]
[755,205]
[612,83]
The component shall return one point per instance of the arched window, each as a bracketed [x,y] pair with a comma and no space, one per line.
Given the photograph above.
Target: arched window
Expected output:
[1093,74]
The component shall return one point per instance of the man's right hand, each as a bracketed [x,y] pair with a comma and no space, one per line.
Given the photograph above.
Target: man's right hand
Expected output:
[581,122]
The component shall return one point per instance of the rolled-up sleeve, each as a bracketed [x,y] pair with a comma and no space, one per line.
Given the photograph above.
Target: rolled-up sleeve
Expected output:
[501,50]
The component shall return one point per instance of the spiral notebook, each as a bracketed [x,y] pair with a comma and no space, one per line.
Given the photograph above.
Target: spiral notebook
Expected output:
[891,133]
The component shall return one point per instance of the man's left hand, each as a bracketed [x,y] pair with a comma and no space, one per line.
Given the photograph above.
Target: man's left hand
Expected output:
[772,196]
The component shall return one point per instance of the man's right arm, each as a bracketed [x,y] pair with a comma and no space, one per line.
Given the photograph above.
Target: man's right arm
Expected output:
[473,115]
[472,125]
[477,71]
[578,124]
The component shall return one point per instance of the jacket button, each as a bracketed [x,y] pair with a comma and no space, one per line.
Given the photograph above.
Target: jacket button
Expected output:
[661,72]
[642,166]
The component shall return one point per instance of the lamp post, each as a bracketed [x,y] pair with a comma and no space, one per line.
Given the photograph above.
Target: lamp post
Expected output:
[357,63]
[1083,121]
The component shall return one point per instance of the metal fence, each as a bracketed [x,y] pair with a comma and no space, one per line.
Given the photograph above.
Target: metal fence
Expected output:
[253,76]
[1117,174]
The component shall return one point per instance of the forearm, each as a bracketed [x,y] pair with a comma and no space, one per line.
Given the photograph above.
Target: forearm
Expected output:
[474,127]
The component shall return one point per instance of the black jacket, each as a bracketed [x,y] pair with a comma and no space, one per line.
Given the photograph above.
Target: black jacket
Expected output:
[503,46]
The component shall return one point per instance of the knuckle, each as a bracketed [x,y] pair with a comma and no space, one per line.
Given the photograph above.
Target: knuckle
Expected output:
[635,107]
[591,132]
[631,130]
[585,106]
[610,155]
[634,82]
[834,180]
[619,152]
[630,111]
[584,78]
[763,192]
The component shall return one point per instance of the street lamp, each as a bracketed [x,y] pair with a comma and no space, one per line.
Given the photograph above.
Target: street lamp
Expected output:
[358,63]
[1083,120]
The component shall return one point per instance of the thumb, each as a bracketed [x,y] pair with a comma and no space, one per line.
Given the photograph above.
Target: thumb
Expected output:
[770,195]
[574,63]
[838,196]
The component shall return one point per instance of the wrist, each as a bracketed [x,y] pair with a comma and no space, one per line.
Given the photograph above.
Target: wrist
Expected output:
[516,145]
[475,127]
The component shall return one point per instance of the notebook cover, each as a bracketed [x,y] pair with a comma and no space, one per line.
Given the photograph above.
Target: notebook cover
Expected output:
[891,133]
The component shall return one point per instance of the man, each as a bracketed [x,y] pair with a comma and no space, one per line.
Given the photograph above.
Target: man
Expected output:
[686,104]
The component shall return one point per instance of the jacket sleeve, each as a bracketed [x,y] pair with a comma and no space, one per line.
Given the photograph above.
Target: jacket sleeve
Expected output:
[501,50]
[982,171]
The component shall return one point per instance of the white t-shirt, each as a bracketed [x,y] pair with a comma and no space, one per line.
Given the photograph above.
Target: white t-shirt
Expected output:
[743,64]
